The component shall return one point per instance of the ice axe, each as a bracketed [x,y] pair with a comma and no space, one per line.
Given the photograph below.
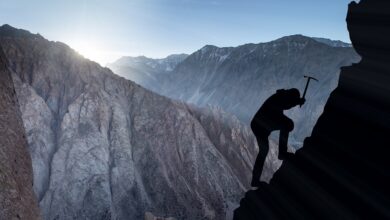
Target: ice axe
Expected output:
[307,85]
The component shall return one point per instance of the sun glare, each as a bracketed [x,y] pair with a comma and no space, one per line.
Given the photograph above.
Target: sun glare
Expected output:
[93,51]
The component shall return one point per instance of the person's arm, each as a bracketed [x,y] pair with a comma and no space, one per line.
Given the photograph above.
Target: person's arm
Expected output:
[297,99]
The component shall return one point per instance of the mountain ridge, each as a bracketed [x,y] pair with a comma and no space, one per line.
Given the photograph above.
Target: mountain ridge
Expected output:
[239,79]
[326,41]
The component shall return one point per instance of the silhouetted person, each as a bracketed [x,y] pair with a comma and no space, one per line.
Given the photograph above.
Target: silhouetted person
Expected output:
[270,118]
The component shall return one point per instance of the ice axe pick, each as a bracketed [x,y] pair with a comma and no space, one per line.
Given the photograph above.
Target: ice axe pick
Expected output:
[307,85]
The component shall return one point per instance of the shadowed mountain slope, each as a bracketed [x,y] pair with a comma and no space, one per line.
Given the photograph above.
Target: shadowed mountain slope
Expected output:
[17,199]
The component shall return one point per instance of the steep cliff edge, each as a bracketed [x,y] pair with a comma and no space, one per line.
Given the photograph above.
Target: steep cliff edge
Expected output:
[17,200]
[342,171]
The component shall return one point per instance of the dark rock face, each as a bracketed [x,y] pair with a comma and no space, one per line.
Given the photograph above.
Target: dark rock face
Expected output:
[342,171]
[103,147]
[17,199]
[240,79]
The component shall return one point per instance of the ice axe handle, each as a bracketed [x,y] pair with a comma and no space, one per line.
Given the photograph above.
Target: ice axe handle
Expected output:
[307,86]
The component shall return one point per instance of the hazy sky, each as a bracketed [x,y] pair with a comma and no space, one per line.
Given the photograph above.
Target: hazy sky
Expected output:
[104,30]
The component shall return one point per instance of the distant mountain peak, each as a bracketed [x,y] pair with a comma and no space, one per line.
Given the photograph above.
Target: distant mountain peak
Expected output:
[6,26]
[179,55]
[210,46]
[7,30]
[297,38]
[332,43]
[143,57]
[141,69]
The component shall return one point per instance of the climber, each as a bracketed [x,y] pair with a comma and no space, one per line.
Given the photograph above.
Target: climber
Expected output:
[270,118]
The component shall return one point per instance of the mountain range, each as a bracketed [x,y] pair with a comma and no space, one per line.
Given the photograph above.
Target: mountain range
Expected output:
[146,71]
[239,79]
[103,147]
[81,142]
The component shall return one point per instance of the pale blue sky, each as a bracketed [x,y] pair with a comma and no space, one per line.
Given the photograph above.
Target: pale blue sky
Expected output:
[104,30]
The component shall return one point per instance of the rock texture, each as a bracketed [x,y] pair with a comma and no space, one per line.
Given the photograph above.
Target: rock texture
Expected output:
[105,148]
[17,199]
[342,171]
[240,79]
[150,216]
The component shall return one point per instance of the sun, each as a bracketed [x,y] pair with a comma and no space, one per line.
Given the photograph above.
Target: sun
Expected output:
[87,49]
[94,51]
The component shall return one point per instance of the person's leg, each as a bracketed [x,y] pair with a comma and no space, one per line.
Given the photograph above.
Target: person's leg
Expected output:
[283,140]
[258,167]
[286,125]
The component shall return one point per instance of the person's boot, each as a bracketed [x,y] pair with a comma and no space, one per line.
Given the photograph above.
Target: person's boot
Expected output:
[255,182]
[284,155]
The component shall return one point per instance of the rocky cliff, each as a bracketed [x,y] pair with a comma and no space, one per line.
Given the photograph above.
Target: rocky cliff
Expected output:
[17,200]
[103,147]
[342,171]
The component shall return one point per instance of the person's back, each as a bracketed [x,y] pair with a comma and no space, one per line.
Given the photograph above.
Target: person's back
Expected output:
[280,101]
[268,117]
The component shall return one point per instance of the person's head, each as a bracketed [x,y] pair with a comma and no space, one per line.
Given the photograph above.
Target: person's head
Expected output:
[294,92]
[291,92]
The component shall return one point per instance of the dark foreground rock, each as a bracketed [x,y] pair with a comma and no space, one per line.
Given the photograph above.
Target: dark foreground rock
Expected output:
[17,199]
[342,171]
